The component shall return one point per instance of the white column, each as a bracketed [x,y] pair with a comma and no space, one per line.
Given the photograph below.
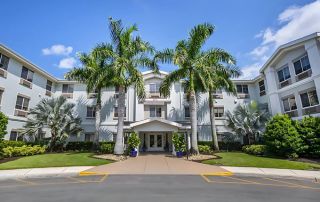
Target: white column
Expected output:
[272,88]
[313,51]
[298,103]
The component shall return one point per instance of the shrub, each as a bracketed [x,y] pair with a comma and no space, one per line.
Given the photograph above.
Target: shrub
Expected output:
[23,151]
[205,149]
[178,142]
[133,141]
[9,143]
[106,147]
[79,146]
[3,125]
[282,137]
[230,146]
[257,150]
[309,130]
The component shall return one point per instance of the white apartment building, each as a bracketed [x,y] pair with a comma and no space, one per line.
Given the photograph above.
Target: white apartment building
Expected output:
[289,83]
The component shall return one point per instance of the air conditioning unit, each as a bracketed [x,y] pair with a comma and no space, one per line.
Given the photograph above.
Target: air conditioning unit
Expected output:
[25,83]
[3,73]
[304,75]
[284,83]
[243,96]
[21,113]
[48,93]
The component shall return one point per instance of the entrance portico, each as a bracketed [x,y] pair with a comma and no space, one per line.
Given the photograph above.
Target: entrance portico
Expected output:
[156,133]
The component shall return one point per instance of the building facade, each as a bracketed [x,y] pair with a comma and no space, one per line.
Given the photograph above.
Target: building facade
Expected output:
[289,83]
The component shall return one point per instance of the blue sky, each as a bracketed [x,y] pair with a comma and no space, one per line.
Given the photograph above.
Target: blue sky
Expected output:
[249,29]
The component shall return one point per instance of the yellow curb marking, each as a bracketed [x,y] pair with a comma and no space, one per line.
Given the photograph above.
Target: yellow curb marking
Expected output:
[217,174]
[88,173]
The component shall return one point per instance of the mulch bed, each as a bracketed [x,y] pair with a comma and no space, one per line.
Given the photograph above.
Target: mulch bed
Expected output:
[4,160]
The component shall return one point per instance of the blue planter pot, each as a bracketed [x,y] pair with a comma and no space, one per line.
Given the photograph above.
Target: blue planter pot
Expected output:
[133,153]
[179,154]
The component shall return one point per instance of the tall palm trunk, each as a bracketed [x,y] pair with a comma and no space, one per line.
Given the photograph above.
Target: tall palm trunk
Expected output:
[213,122]
[98,120]
[194,125]
[119,147]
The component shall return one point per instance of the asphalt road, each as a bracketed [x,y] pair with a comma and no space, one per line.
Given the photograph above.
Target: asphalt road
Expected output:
[156,188]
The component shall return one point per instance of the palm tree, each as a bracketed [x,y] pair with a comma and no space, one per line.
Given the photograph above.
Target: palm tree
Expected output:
[248,120]
[95,73]
[194,67]
[127,53]
[57,115]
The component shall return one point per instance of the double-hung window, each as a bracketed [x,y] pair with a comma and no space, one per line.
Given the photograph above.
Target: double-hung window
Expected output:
[155,111]
[284,74]
[243,89]
[154,87]
[309,98]
[4,61]
[186,112]
[49,86]
[219,111]
[301,65]
[289,104]
[27,74]
[91,111]
[262,88]
[22,103]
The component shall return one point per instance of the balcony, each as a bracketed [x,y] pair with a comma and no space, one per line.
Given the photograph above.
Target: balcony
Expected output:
[243,96]
[284,83]
[304,75]
[292,113]
[25,83]
[311,110]
[67,95]
[217,96]
[21,113]
[3,73]
[153,95]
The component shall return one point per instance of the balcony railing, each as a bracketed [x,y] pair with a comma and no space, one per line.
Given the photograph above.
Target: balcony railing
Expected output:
[67,95]
[3,73]
[21,113]
[284,83]
[25,83]
[91,95]
[304,75]
[153,95]
[217,96]
[292,113]
[311,110]
[243,96]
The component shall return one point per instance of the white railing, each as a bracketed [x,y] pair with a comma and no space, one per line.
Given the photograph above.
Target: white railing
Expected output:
[243,95]
[19,112]
[3,73]
[292,113]
[284,83]
[311,110]
[26,83]
[303,75]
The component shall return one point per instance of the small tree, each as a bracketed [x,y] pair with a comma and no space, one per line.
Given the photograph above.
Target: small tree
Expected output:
[3,125]
[282,138]
[133,141]
[178,142]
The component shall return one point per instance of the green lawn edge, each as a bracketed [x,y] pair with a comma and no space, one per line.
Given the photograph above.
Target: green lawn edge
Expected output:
[239,159]
[54,160]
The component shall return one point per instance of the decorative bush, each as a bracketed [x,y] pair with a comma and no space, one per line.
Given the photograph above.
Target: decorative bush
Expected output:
[3,125]
[257,150]
[309,130]
[230,146]
[178,142]
[133,141]
[282,137]
[79,146]
[205,149]
[106,147]
[9,143]
[23,151]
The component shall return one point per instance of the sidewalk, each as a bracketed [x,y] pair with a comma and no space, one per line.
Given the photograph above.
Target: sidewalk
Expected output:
[42,172]
[251,171]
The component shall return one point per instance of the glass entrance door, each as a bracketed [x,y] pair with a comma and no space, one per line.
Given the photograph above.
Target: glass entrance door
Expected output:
[155,142]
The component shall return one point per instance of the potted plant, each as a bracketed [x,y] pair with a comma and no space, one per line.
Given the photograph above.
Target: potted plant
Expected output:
[179,144]
[133,143]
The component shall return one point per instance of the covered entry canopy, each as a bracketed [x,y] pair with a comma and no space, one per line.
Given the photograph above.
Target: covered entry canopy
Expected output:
[156,125]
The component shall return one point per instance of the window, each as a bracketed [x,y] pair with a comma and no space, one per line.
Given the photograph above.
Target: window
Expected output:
[309,98]
[116,89]
[154,87]
[88,137]
[284,74]
[1,93]
[115,112]
[242,89]
[13,136]
[302,64]
[155,111]
[22,103]
[187,112]
[49,85]
[289,104]
[67,88]
[4,61]
[218,111]
[262,88]
[27,74]
[91,111]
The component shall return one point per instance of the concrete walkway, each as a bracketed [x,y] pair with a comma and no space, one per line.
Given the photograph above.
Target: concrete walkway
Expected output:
[156,164]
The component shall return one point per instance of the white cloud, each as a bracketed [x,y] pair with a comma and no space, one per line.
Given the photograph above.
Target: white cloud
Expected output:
[294,22]
[57,49]
[67,63]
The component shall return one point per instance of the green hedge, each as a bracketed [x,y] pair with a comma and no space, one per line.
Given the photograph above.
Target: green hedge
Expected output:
[205,149]
[23,151]
[79,146]
[9,143]
[233,146]
[257,150]
[106,147]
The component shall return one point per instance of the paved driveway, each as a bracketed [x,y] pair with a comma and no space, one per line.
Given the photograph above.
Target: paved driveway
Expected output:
[156,164]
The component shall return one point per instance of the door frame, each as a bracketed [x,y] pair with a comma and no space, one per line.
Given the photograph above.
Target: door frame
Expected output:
[155,134]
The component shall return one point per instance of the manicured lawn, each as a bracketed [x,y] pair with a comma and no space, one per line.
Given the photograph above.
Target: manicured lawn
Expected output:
[54,160]
[239,159]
